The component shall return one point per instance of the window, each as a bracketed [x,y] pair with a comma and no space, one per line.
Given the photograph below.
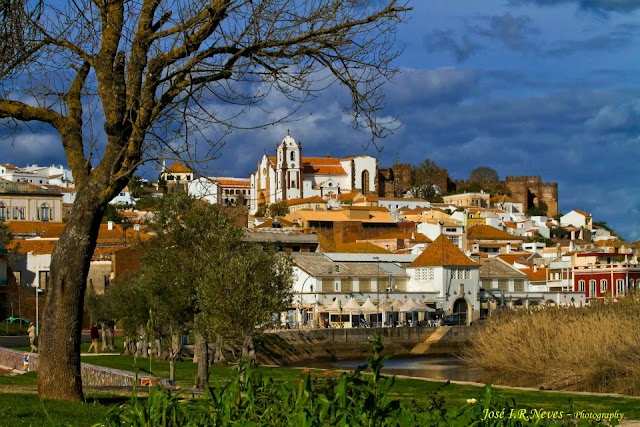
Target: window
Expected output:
[293,155]
[620,286]
[337,289]
[592,288]
[425,274]
[364,285]
[347,285]
[603,285]
[581,285]
[43,279]
[44,212]
[518,286]
[327,285]
[3,211]
[503,285]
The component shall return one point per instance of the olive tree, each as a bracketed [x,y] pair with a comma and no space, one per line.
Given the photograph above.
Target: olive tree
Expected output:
[121,80]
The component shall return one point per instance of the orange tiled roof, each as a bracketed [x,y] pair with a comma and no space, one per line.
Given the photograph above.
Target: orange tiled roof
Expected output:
[583,213]
[178,168]
[233,182]
[37,247]
[322,166]
[268,223]
[514,257]
[299,200]
[442,252]
[483,232]
[361,247]
[536,276]
[32,227]
[416,237]
[345,197]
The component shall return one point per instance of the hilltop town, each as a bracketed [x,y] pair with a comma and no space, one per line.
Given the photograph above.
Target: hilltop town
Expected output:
[366,250]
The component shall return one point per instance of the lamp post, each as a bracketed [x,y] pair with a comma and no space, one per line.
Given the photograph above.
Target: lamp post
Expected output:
[377,258]
[301,302]
[38,291]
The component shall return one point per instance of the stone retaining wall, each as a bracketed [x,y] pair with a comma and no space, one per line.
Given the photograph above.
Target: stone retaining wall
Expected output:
[289,347]
[91,375]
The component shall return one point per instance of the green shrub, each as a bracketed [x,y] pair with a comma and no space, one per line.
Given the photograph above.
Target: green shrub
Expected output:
[361,398]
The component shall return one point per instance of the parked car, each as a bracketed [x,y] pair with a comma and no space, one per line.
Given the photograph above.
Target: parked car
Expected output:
[18,320]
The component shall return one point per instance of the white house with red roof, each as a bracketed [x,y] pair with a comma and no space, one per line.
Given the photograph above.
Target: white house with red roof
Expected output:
[452,278]
[578,219]
[289,175]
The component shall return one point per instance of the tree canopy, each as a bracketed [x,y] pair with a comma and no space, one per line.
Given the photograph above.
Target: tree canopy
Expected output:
[123,81]
[484,174]
[424,178]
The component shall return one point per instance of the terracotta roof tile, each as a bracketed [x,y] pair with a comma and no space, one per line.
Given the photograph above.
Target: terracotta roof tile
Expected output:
[228,182]
[442,252]
[361,247]
[178,168]
[37,246]
[413,236]
[481,232]
[536,276]
[583,213]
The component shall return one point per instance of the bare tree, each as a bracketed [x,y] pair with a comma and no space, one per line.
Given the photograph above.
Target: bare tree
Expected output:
[142,69]
[484,174]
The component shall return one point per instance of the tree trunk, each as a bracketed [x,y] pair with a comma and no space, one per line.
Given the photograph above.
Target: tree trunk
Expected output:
[218,356]
[142,349]
[202,354]
[129,347]
[249,351]
[103,327]
[59,360]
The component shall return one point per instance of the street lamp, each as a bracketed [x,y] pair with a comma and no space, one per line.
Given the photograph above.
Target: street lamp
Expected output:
[377,258]
[38,292]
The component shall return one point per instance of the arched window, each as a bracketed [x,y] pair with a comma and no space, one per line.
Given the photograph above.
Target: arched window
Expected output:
[581,285]
[365,182]
[293,156]
[603,285]
[592,288]
[3,211]
[620,287]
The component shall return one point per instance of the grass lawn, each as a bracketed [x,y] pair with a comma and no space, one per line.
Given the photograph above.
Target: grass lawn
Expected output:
[23,408]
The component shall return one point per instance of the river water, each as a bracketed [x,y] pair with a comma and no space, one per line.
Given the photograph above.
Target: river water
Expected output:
[437,368]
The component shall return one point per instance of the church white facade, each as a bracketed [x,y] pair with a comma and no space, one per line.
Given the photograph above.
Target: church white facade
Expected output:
[288,175]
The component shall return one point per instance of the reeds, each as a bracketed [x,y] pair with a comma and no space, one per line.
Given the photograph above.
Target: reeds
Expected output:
[593,348]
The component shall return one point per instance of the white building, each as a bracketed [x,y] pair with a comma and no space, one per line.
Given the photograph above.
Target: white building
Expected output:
[205,189]
[289,175]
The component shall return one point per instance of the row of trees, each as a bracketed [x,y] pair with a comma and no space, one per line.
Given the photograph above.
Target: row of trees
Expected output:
[122,82]
[197,273]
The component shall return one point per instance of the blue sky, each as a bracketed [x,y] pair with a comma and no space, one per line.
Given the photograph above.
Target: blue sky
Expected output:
[527,87]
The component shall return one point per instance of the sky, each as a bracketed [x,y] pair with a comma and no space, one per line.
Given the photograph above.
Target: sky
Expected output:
[527,87]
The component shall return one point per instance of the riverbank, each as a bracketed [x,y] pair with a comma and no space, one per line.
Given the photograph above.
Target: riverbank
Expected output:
[294,347]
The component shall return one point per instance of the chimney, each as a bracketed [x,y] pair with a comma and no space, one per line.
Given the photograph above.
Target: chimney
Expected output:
[109,225]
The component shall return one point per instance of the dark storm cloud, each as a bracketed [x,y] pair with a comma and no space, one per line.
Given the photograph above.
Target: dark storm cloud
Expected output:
[513,32]
[619,38]
[622,6]
[446,41]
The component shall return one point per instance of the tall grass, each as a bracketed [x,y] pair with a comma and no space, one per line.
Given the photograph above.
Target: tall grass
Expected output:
[593,348]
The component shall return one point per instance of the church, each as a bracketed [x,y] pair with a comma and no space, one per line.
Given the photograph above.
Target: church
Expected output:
[288,175]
